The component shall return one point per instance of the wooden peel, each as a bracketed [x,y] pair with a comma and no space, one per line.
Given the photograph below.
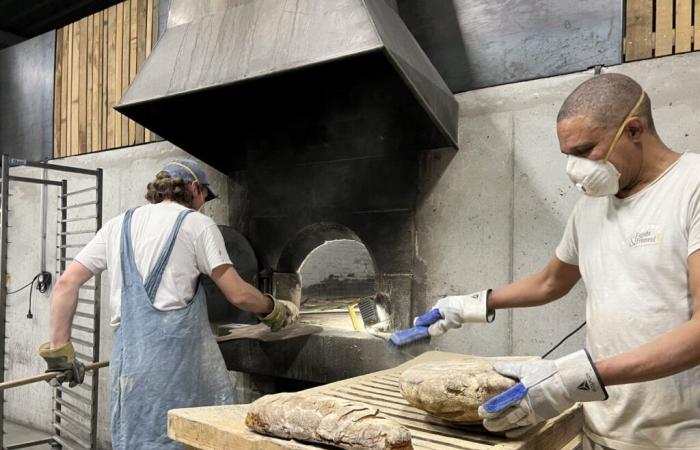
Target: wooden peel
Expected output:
[47,376]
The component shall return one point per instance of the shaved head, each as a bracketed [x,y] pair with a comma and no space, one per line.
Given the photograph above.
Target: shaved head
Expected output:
[606,99]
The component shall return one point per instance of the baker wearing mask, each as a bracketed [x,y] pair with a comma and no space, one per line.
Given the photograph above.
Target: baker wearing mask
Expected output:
[633,239]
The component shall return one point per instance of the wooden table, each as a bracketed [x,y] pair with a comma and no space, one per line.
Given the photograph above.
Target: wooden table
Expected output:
[222,427]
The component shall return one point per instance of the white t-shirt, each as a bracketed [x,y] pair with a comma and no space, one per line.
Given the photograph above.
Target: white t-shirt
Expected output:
[199,248]
[633,257]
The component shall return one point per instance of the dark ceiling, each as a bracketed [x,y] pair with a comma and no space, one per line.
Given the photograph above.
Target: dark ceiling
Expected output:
[22,19]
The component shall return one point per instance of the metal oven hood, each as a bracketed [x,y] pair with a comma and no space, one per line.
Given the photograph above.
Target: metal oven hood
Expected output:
[227,73]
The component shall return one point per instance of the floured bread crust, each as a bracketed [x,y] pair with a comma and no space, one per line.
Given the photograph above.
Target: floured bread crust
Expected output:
[326,420]
[452,390]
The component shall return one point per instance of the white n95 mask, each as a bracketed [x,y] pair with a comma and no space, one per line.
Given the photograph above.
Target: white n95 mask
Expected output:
[599,178]
[594,178]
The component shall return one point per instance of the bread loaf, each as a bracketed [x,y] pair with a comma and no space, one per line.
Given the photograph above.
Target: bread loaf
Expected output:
[326,420]
[452,390]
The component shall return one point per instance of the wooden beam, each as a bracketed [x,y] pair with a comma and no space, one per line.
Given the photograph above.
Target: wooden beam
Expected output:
[133,5]
[82,88]
[119,47]
[111,69]
[90,88]
[663,44]
[65,83]
[75,89]
[696,37]
[58,75]
[684,28]
[638,44]
[126,47]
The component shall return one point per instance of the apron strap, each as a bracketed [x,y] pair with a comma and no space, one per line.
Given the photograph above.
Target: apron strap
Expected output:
[153,280]
[128,263]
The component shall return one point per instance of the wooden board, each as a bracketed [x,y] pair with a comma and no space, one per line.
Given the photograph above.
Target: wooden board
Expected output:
[684,27]
[639,20]
[663,42]
[261,332]
[219,427]
[696,21]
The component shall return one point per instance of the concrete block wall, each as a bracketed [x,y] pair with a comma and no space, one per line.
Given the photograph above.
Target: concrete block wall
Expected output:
[127,171]
[495,210]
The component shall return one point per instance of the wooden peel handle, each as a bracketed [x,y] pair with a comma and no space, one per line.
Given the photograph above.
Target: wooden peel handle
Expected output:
[47,376]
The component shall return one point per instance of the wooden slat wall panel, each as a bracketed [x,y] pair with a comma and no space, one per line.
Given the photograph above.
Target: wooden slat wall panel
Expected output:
[675,28]
[97,57]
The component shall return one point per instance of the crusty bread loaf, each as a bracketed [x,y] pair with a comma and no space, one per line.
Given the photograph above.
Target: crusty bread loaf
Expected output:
[326,420]
[452,390]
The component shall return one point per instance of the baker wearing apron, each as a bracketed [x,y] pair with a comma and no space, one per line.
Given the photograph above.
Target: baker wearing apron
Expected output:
[164,354]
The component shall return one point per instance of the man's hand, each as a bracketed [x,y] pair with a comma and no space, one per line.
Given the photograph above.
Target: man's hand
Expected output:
[62,361]
[459,309]
[546,389]
[283,313]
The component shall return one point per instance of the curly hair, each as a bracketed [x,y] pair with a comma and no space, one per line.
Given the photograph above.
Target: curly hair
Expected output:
[164,187]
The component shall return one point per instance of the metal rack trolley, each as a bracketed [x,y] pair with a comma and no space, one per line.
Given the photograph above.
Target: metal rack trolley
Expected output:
[74,410]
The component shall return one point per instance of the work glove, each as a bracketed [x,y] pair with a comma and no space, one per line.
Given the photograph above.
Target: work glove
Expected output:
[283,313]
[62,361]
[459,309]
[546,389]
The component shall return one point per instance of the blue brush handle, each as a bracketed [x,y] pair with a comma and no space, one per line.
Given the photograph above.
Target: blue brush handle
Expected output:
[428,318]
[505,399]
[408,336]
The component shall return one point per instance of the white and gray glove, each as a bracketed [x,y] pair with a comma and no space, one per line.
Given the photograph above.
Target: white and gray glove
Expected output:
[459,309]
[546,389]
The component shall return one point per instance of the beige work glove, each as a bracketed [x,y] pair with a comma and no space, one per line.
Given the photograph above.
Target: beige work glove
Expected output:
[62,361]
[284,313]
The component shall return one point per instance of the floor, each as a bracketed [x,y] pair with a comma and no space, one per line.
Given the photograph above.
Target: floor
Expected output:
[15,434]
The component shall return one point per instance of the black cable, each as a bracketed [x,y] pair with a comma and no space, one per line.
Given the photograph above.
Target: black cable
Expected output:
[42,285]
[31,288]
[25,286]
[563,340]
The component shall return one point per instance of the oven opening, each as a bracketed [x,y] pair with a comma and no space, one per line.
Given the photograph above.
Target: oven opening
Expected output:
[335,277]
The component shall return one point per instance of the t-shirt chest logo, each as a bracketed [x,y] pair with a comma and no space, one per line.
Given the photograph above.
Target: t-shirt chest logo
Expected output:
[646,235]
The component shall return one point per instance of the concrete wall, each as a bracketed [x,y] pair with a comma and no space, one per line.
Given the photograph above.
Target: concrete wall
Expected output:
[125,176]
[479,43]
[495,210]
[26,98]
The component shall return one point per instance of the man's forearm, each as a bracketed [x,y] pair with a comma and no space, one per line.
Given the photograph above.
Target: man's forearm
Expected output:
[673,352]
[252,300]
[240,293]
[63,305]
[519,294]
[553,282]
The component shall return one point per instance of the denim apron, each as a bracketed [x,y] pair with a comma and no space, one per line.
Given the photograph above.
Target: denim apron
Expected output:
[160,359]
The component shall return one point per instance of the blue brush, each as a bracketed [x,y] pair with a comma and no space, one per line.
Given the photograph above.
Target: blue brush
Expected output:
[506,399]
[418,333]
